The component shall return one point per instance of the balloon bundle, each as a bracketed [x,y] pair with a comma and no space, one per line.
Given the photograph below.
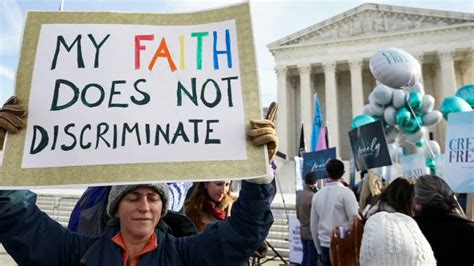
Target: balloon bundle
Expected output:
[400,103]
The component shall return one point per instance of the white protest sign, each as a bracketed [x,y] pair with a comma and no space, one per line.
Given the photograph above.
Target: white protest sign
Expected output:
[296,246]
[161,93]
[459,155]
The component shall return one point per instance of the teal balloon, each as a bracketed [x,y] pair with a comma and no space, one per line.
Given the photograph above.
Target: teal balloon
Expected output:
[454,104]
[466,93]
[420,143]
[415,100]
[361,120]
[431,164]
[402,117]
[412,126]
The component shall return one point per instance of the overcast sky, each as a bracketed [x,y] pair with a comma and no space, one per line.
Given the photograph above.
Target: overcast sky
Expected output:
[272,20]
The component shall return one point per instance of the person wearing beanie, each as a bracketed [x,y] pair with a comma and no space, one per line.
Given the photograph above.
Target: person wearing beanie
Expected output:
[443,222]
[333,205]
[32,238]
[391,236]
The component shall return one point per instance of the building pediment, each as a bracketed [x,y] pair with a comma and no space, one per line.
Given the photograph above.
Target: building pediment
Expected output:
[374,19]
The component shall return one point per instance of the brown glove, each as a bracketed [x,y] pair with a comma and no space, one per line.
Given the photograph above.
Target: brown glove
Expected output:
[10,118]
[262,131]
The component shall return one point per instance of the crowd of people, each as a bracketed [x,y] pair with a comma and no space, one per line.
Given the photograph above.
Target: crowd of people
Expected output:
[407,222]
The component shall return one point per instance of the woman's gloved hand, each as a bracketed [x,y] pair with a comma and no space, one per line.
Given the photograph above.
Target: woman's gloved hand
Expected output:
[262,131]
[11,120]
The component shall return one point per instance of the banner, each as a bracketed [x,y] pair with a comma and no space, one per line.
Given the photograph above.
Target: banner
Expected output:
[413,165]
[317,123]
[117,97]
[296,246]
[316,162]
[369,147]
[459,155]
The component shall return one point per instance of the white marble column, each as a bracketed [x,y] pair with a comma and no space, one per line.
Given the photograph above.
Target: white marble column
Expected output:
[331,104]
[357,92]
[306,100]
[448,76]
[282,114]
[420,58]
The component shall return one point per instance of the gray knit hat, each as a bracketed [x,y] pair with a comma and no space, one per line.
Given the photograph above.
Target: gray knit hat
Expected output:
[118,192]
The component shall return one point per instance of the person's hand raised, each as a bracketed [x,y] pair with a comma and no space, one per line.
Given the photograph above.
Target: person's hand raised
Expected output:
[11,120]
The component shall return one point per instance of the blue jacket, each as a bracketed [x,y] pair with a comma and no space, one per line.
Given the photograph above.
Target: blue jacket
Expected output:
[33,238]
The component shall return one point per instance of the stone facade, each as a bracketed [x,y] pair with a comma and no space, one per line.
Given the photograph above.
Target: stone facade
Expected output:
[331,58]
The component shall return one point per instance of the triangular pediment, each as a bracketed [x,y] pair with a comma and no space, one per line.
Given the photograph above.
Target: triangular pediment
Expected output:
[374,19]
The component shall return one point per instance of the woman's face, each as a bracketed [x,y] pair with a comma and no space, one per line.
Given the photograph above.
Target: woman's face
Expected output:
[217,190]
[139,212]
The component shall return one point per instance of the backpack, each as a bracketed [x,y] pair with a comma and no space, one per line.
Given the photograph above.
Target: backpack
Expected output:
[89,215]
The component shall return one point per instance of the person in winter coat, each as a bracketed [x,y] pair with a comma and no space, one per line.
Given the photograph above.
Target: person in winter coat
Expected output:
[303,213]
[32,238]
[209,202]
[443,223]
[391,236]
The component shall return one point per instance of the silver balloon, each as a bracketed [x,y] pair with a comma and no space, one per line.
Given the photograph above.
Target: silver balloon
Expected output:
[432,118]
[367,110]
[432,150]
[382,94]
[389,115]
[395,68]
[398,98]
[427,104]
[376,109]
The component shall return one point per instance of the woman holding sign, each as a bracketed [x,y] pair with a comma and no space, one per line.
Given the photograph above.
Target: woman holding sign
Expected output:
[31,237]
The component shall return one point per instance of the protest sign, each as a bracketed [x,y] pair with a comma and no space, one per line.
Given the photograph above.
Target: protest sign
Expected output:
[117,97]
[459,155]
[296,246]
[414,165]
[316,162]
[369,147]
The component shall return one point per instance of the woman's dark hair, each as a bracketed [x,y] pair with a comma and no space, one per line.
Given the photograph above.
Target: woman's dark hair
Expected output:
[399,195]
[433,191]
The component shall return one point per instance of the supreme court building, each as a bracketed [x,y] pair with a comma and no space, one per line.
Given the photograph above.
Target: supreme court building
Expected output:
[331,58]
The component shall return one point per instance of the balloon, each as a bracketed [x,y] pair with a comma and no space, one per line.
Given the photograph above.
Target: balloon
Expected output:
[367,110]
[428,104]
[415,100]
[398,98]
[417,87]
[466,93]
[361,120]
[431,164]
[420,143]
[432,118]
[389,115]
[395,68]
[412,126]
[382,94]
[375,109]
[453,104]
[432,149]
[402,117]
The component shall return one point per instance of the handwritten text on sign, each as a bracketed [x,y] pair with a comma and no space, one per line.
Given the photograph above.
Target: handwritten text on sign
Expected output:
[112,94]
